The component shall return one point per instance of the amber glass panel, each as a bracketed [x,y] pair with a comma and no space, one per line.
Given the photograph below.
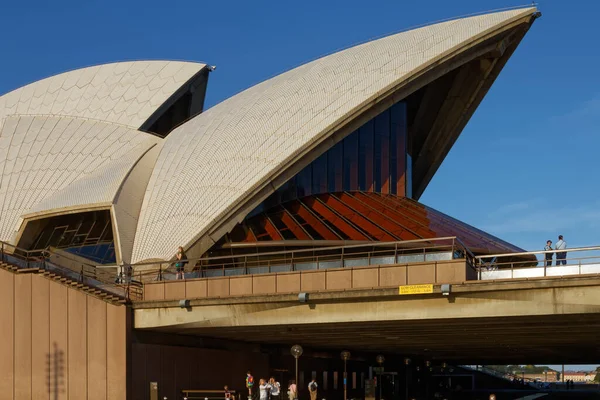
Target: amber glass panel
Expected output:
[369,216]
[399,137]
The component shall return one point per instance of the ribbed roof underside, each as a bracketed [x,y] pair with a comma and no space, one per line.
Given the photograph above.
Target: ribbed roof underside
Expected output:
[211,164]
[362,216]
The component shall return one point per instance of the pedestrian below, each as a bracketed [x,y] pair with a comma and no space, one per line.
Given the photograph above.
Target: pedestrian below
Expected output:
[275,388]
[561,256]
[180,264]
[264,390]
[312,389]
[249,383]
[548,257]
[227,393]
[293,391]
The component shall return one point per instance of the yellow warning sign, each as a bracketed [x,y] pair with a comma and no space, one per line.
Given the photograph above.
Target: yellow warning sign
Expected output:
[416,289]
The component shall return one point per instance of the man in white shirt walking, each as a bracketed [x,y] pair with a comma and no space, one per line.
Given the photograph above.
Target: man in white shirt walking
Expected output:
[561,256]
[312,389]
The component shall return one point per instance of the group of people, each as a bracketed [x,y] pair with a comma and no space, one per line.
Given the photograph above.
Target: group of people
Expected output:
[271,389]
[268,390]
[559,250]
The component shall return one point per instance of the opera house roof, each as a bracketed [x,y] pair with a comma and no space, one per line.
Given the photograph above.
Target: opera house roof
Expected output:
[92,139]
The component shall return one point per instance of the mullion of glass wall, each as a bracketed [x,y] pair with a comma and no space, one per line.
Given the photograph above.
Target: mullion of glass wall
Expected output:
[372,159]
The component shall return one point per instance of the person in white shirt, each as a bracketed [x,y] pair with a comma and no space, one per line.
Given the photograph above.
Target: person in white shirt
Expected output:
[561,256]
[312,389]
[275,388]
[264,390]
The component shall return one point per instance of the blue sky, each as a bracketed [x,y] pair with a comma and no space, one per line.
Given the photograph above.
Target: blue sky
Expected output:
[523,169]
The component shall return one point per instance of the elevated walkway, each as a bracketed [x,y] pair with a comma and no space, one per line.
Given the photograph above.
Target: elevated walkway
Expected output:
[84,277]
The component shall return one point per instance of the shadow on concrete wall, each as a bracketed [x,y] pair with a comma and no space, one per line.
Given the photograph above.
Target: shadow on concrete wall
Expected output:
[55,372]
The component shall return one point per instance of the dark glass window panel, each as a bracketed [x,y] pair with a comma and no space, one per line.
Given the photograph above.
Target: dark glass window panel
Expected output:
[101,254]
[408,177]
[96,230]
[351,161]
[372,158]
[319,175]
[56,237]
[289,191]
[335,169]
[304,182]
[381,157]
[365,156]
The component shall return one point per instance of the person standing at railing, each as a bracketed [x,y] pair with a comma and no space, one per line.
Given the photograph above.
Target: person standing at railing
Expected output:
[548,256]
[561,256]
[180,264]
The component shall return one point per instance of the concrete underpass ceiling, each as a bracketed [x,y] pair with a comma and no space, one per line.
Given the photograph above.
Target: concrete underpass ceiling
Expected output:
[530,321]
[545,339]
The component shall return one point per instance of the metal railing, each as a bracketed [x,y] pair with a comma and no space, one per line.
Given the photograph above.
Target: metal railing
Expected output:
[535,264]
[377,253]
[73,269]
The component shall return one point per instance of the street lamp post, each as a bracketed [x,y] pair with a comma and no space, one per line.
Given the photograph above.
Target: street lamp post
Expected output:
[345,356]
[296,351]
[406,364]
[380,360]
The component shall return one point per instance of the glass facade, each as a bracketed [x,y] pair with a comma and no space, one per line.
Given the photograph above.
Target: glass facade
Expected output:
[87,234]
[371,159]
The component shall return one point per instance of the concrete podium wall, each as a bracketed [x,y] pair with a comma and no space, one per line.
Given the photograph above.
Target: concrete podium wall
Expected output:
[176,368]
[58,343]
[375,276]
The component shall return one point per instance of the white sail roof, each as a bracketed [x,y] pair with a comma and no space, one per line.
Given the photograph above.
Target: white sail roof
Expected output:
[214,162]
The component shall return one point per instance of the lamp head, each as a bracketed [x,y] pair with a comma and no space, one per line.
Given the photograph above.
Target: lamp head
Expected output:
[296,350]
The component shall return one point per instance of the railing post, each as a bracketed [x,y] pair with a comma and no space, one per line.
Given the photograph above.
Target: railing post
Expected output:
[396,253]
[160,272]
[81,274]
[512,270]
[292,261]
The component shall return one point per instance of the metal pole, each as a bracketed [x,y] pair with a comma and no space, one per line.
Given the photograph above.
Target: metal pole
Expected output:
[380,384]
[345,375]
[297,384]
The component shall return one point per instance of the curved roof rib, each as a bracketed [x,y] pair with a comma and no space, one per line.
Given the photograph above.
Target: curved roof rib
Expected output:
[126,93]
[215,167]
